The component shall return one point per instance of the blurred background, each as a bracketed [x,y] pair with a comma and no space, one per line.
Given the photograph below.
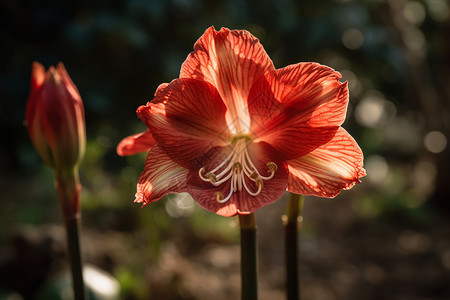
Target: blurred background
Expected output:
[387,238]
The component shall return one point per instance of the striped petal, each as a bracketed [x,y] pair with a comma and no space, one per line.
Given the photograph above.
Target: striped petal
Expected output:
[301,104]
[136,143]
[186,118]
[231,60]
[161,176]
[328,169]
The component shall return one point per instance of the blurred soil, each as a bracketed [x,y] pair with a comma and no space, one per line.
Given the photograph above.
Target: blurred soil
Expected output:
[342,257]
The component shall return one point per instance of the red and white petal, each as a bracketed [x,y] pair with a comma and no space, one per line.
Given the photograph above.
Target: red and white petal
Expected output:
[161,176]
[186,118]
[309,93]
[240,202]
[231,60]
[327,170]
[298,141]
[136,143]
[301,104]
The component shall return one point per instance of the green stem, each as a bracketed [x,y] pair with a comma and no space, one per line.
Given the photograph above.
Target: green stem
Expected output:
[72,228]
[292,222]
[69,188]
[249,264]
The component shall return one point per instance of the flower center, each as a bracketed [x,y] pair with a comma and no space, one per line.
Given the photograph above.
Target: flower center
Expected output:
[236,168]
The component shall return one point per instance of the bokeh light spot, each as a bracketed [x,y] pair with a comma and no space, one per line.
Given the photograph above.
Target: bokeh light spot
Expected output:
[424,175]
[374,110]
[415,41]
[414,12]
[415,242]
[435,141]
[101,282]
[354,84]
[439,10]
[377,168]
[179,205]
[353,38]
[374,274]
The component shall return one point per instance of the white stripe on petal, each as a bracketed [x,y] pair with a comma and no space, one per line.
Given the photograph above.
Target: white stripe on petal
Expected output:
[160,177]
[328,169]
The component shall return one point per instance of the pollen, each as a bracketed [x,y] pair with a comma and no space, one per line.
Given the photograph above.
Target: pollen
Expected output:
[237,171]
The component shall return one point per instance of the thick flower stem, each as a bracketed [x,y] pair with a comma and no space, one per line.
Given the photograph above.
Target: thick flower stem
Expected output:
[72,228]
[249,257]
[68,187]
[292,223]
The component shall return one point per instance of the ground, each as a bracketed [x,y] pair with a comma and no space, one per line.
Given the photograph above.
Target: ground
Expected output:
[343,256]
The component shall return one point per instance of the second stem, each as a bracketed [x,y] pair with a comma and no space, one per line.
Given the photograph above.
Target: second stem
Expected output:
[292,222]
[249,257]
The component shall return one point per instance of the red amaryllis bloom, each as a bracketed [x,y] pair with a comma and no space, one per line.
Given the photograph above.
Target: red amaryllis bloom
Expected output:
[236,133]
[55,117]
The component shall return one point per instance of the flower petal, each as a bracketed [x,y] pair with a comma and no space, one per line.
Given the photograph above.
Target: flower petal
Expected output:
[300,104]
[186,118]
[231,60]
[305,92]
[37,76]
[327,170]
[297,140]
[240,202]
[161,176]
[133,144]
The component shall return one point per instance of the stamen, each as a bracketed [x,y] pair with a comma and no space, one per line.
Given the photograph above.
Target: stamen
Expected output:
[254,175]
[223,179]
[222,200]
[239,169]
[224,162]
[272,169]
[272,166]
[226,170]
[238,173]
[202,170]
[212,178]
[219,196]
[259,185]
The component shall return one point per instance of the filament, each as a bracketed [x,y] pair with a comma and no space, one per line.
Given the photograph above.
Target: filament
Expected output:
[239,169]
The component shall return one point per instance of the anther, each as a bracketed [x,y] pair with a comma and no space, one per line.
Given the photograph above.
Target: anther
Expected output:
[237,167]
[211,177]
[219,196]
[259,183]
[201,171]
[254,175]
[272,166]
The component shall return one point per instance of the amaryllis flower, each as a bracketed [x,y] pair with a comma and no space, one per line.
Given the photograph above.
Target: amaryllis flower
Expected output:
[236,133]
[55,117]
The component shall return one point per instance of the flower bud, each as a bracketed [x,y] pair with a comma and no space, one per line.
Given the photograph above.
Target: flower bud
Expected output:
[55,117]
